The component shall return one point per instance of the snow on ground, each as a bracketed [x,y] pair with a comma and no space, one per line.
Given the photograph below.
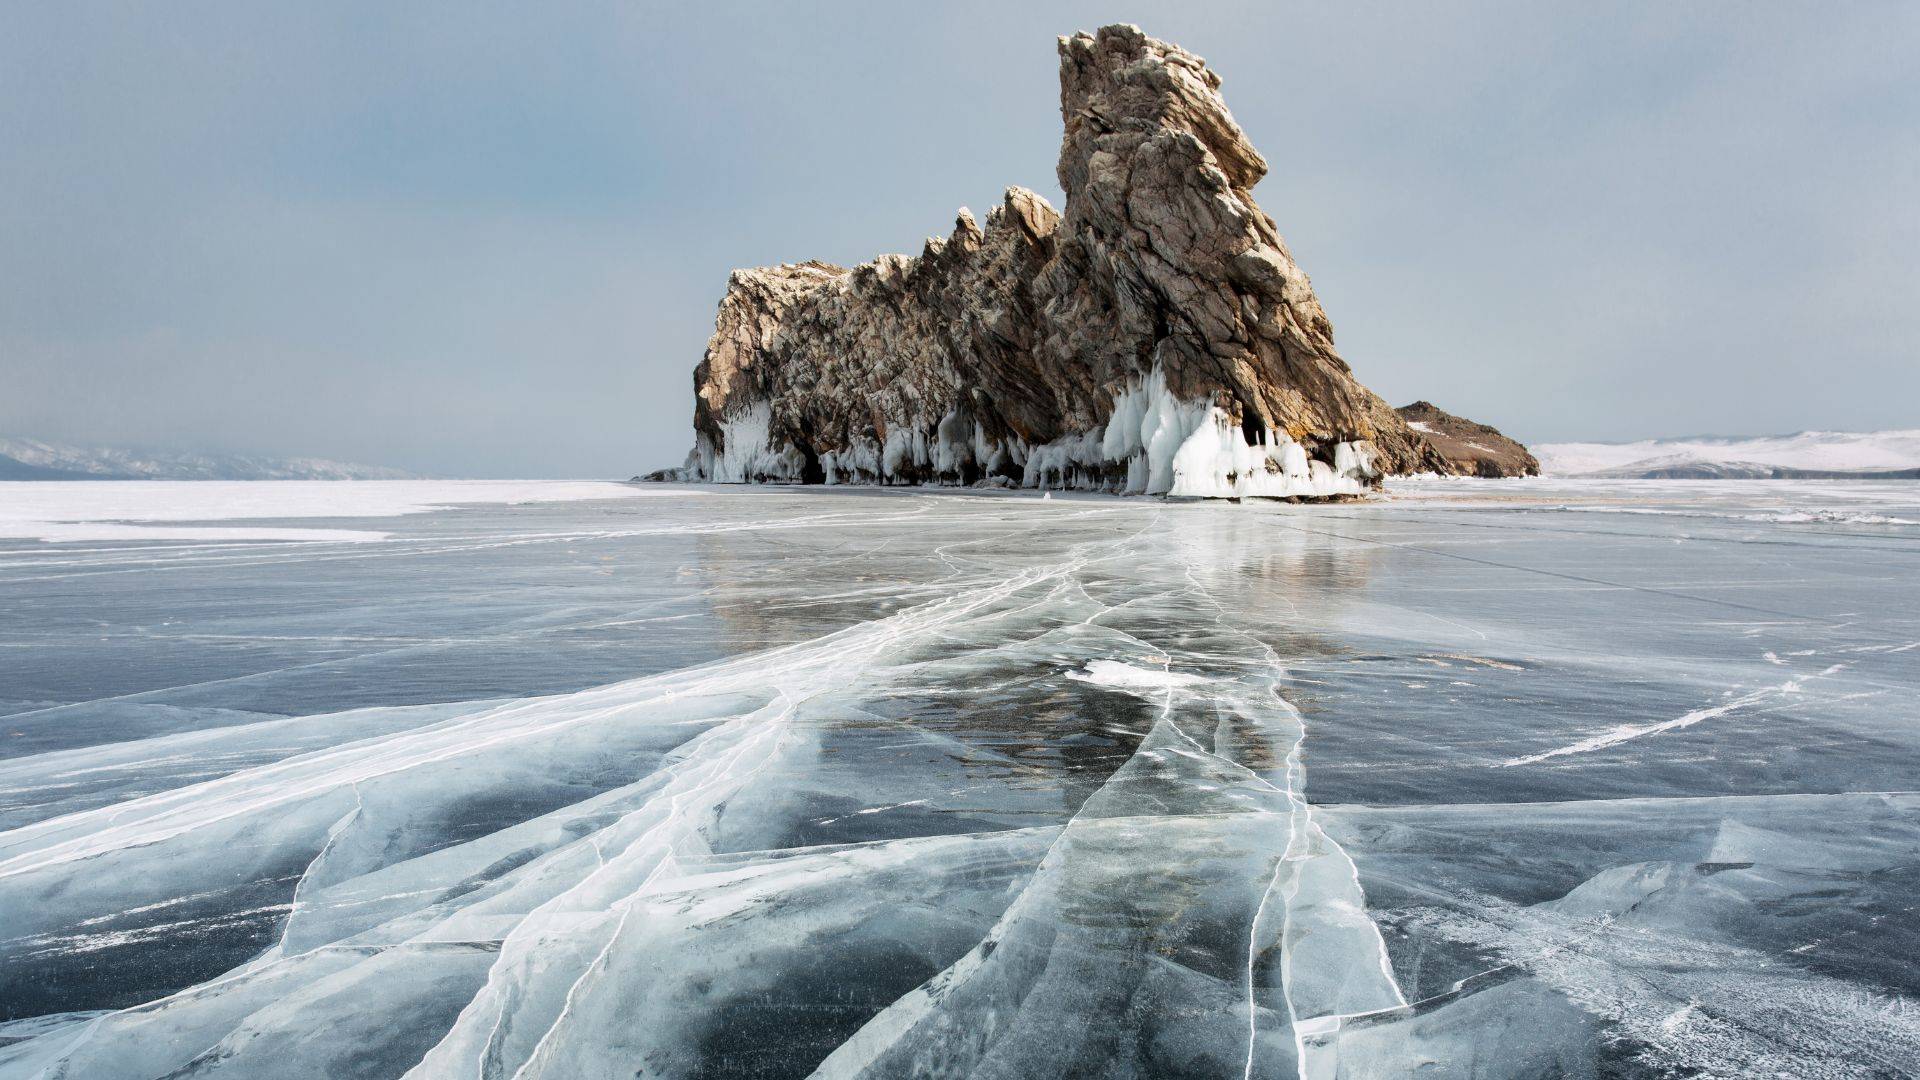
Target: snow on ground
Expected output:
[61,511]
[1823,450]
[1127,676]
[1818,503]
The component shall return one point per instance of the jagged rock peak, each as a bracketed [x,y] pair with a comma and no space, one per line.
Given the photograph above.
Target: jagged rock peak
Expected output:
[1156,338]
[1121,74]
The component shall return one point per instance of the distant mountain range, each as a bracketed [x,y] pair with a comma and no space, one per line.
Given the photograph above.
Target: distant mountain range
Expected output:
[1813,455]
[31,459]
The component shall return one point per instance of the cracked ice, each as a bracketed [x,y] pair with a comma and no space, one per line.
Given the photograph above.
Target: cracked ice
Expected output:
[899,783]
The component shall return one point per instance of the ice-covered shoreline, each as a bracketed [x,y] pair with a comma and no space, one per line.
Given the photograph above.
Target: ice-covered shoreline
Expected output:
[1154,443]
[1736,456]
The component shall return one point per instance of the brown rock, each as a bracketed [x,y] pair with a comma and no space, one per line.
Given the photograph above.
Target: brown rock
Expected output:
[1466,448]
[1158,337]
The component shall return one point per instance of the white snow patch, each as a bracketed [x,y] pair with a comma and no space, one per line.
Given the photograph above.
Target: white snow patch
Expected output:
[1129,677]
[126,464]
[61,511]
[1828,517]
[1824,450]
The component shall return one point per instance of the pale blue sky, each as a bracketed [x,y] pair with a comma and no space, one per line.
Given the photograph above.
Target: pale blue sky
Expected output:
[479,239]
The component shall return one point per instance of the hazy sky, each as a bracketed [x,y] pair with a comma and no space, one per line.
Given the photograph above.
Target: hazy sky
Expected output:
[472,239]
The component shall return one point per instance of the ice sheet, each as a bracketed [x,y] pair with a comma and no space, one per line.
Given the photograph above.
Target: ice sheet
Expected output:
[1472,781]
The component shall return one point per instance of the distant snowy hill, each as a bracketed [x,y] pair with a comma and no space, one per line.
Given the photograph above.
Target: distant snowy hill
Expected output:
[1814,454]
[30,459]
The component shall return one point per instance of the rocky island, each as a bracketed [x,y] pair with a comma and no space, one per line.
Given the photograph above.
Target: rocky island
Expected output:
[1155,338]
[1466,448]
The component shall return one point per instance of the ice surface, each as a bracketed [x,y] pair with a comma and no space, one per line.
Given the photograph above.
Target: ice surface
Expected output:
[1486,779]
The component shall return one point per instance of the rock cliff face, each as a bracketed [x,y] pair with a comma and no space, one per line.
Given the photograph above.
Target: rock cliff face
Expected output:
[1157,338]
[1466,448]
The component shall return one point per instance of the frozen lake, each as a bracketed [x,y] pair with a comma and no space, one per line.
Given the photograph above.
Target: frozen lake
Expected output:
[1486,779]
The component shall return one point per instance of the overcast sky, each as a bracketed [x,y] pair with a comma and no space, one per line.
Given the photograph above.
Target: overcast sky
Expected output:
[488,240]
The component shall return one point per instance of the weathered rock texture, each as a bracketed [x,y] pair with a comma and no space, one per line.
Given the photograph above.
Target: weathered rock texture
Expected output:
[1156,338]
[1466,448]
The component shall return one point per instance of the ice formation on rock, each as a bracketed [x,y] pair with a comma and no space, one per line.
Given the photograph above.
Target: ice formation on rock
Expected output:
[1157,338]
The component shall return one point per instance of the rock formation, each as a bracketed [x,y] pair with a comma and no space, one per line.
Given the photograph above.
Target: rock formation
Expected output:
[1466,448]
[1156,338]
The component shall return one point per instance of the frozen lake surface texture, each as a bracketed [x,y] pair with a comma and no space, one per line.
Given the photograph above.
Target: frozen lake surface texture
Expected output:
[1484,779]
